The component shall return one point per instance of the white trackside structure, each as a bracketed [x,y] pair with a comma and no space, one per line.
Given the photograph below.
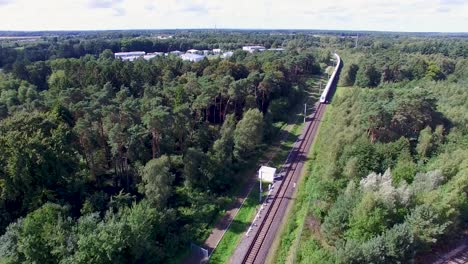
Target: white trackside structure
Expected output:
[326,92]
[266,174]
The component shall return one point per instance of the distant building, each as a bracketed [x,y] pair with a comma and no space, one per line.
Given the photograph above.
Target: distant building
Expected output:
[192,57]
[216,51]
[150,56]
[227,54]
[156,53]
[193,51]
[132,58]
[133,55]
[276,49]
[129,55]
[164,37]
[253,49]
[176,52]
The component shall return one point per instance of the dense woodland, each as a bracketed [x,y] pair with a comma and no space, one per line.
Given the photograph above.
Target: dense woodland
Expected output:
[389,176]
[106,161]
[110,161]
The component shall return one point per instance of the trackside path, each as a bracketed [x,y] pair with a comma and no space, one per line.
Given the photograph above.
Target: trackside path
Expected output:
[256,243]
[456,256]
[263,229]
[224,223]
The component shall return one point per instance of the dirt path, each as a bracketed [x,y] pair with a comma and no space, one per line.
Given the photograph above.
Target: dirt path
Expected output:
[223,224]
[289,189]
[457,255]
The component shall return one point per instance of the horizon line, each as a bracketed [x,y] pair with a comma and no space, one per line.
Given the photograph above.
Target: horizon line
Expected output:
[227,28]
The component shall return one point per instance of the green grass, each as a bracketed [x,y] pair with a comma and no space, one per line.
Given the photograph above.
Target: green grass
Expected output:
[297,124]
[286,146]
[241,222]
[247,212]
[290,237]
[244,217]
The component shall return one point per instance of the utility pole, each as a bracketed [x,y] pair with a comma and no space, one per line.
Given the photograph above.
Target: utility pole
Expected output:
[305,111]
[357,38]
[260,187]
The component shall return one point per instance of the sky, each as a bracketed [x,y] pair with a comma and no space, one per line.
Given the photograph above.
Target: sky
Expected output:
[380,15]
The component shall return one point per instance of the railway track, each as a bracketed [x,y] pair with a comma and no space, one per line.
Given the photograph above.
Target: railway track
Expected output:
[254,248]
[279,198]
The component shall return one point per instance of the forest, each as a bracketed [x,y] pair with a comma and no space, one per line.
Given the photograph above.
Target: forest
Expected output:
[388,178]
[111,161]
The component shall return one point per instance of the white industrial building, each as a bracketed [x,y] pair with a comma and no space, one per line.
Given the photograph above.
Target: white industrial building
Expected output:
[192,57]
[276,49]
[133,55]
[131,58]
[176,52]
[149,56]
[156,53]
[227,54]
[193,51]
[164,37]
[254,48]
[129,55]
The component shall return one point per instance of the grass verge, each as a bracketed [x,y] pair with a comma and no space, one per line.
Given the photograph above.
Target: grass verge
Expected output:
[238,226]
[246,213]
[244,217]
[287,243]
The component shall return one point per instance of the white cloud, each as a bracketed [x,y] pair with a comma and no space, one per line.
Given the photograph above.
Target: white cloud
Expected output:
[398,15]
[114,5]
[103,3]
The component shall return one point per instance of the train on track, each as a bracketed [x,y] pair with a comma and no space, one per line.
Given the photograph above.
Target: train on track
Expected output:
[260,242]
[326,92]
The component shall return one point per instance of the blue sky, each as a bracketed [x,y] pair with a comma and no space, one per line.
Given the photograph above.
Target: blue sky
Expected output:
[396,15]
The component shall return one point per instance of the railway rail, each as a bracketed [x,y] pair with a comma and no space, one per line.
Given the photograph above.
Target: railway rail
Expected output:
[254,248]
[299,154]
